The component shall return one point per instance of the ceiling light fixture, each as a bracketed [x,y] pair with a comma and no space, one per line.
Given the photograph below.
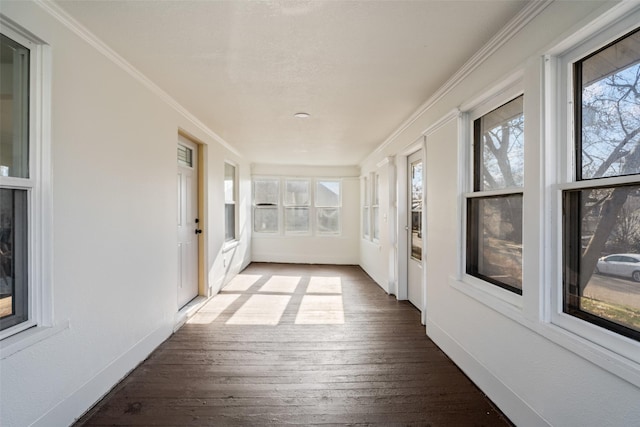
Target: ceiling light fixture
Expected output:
[302,115]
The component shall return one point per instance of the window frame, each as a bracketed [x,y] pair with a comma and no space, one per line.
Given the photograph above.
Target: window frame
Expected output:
[277,205]
[308,206]
[318,207]
[39,323]
[366,209]
[233,202]
[510,89]
[375,207]
[619,353]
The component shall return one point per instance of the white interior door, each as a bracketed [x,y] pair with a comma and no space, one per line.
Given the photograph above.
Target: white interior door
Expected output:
[415,184]
[188,223]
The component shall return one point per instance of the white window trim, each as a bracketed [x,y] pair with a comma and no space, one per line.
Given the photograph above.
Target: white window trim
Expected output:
[613,349]
[40,223]
[365,233]
[282,233]
[500,299]
[315,208]
[375,204]
[230,244]
[278,205]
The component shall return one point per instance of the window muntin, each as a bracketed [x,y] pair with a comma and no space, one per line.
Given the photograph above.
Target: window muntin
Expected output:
[230,192]
[328,202]
[601,223]
[494,221]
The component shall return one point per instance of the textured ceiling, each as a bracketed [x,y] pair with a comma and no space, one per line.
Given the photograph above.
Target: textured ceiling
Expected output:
[244,68]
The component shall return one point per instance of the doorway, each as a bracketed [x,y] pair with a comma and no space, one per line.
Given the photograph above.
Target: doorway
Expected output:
[414,239]
[188,221]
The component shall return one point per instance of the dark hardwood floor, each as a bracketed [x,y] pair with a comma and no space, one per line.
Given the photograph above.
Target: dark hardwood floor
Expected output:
[302,345]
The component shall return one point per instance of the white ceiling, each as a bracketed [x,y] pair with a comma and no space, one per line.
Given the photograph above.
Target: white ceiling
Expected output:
[360,68]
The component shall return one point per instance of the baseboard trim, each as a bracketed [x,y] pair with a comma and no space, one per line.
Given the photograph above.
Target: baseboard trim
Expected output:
[79,402]
[516,409]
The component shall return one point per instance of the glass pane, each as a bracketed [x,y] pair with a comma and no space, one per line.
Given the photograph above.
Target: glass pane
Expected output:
[328,193]
[366,192]
[229,221]
[297,192]
[376,189]
[499,147]
[266,192]
[229,182]
[185,155]
[265,220]
[296,220]
[609,120]
[376,222]
[365,222]
[416,210]
[602,262]
[494,240]
[328,220]
[13,257]
[14,109]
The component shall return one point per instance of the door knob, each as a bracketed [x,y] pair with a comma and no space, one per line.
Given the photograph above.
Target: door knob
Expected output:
[198,231]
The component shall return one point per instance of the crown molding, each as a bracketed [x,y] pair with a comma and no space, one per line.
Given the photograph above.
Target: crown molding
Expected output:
[81,31]
[530,11]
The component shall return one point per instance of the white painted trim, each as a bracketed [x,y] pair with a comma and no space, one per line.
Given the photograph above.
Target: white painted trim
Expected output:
[529,12]
[81,31]
[25,339]
[73,406]
[509,402]
[441,122]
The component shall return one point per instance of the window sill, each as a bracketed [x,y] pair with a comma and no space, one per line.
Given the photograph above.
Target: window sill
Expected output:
[22,340]
[602,357]
[231,244]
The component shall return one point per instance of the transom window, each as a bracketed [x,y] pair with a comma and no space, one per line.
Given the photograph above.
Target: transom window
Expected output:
[494,208]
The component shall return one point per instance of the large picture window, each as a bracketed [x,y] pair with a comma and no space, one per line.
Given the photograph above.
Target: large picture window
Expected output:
[494,208]
[297,206]
[601,210]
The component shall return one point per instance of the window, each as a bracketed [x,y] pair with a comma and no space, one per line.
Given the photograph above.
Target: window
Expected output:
[601,206]
[297,201]
[365,209]
[494,208]
[230,192]
[375,205]
[297,206]
[328,202]
[266,199]
[24,243]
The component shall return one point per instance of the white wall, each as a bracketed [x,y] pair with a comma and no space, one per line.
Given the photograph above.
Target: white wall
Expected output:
[114,230]
[313,249]
[537,373]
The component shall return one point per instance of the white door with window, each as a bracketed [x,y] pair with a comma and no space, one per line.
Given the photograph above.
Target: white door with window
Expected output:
[188,223]
[415,286]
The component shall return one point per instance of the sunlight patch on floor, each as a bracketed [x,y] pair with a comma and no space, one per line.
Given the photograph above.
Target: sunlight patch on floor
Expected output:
[284,284]
[324,285]
[213,309]
[242,282]
[320,310]
[261,310]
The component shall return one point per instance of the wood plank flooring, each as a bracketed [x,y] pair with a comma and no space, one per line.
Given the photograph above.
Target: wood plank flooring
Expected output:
[287,344]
